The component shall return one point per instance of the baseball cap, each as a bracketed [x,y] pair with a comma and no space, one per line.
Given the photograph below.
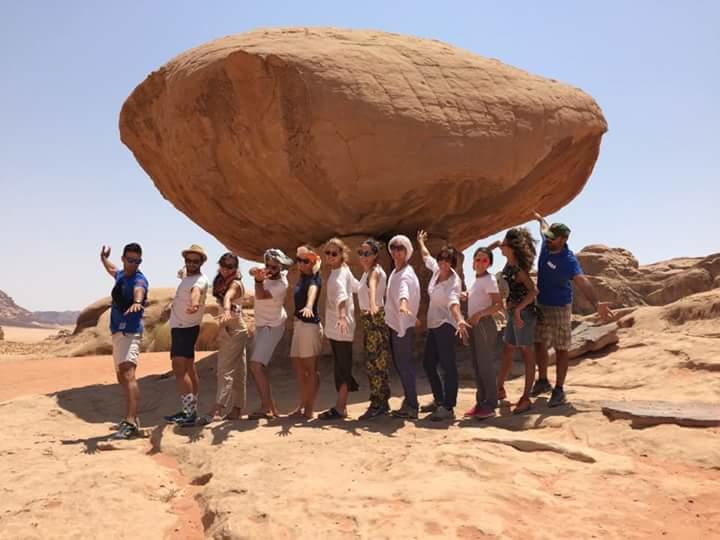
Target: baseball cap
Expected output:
[557,230]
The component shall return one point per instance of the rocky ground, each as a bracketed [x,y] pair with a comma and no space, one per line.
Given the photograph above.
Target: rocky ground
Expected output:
[570,472]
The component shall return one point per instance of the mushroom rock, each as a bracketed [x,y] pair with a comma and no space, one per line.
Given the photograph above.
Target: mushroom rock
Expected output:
[283,137]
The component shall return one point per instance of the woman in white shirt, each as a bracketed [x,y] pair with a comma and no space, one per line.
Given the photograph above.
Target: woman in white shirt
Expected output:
[401,307]
[340,324]
[444,322]
[371,298]
[483,302]
[270,288]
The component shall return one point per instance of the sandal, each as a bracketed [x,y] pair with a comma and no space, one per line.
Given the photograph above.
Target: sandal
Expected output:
[331,414]
[523,405]
[232,415]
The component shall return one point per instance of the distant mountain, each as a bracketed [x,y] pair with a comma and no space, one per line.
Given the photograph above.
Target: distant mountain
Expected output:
[63,318]
[12,314]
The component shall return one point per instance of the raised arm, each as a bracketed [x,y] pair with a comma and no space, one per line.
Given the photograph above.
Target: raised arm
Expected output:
[541,221]
[422,238]
[110,268]
[260,292]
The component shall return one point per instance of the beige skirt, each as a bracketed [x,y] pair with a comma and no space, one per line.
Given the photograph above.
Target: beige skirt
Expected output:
[306,339]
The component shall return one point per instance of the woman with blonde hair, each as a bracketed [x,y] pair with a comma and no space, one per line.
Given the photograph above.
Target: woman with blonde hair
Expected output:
[340,324]
[376,335]
[307,330]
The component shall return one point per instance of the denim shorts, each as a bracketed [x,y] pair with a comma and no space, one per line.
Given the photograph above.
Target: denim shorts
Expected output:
[520,337]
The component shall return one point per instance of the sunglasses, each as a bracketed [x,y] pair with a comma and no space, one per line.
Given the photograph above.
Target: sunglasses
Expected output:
[300,260]
[193,261]
[444,258]
[228,266]
[331,253]
[132,260]
[364,253]
[397,247]
[272,268]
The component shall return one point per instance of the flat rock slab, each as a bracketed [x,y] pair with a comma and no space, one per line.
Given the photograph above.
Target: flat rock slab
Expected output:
[651,413]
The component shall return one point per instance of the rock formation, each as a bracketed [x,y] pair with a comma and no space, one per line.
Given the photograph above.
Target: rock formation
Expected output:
[92,332]
[619,279]
[289,136]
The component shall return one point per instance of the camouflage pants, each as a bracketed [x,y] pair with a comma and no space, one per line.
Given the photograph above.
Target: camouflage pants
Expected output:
[377,357]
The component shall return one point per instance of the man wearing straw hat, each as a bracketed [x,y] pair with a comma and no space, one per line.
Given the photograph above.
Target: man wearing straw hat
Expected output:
[185,317]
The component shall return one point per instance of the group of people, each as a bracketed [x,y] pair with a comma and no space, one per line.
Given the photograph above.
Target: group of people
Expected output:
[538,317]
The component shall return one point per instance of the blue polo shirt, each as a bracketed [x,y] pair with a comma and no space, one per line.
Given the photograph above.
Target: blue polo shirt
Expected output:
[555,274]
[119,322]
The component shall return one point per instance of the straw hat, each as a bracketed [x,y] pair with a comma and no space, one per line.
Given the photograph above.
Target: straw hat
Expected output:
[195,249]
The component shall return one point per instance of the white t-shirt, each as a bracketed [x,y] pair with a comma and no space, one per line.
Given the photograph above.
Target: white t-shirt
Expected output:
[271,311]
[442,295]
[179,317]
[402,284]
[479,293]
[340,286]
[363,290]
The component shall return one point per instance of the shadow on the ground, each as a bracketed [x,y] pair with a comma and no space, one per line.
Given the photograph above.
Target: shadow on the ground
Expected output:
[104,403]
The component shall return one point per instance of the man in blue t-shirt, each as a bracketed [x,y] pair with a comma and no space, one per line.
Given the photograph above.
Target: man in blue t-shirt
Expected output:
[558,270]
[128,301]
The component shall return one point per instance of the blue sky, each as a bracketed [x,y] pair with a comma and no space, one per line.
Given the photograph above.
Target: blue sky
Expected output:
[68,184]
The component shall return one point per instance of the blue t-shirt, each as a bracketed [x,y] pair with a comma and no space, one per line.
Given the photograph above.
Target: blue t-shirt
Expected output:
[301,294]
[555,274]
[122,299]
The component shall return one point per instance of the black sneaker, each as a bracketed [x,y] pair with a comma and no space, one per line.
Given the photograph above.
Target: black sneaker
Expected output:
[125,431]
[557,398]
[116,427]
[175,418]
[405,411]
[429,407]
[188,420]
[374,411]
[541,386]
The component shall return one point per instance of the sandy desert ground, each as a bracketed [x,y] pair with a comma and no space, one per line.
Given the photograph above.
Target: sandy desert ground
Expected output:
[563,473]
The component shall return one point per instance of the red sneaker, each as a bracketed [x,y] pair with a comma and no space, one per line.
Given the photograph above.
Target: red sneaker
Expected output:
[484,412]
[472,411]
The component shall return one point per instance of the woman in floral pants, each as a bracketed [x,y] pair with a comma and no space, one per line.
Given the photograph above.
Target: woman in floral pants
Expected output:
[371,294]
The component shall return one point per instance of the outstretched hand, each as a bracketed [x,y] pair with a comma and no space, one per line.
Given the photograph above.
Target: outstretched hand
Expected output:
[342,326]
[462,330]
[105,252]
[134,308]
[606,314]
[422,236]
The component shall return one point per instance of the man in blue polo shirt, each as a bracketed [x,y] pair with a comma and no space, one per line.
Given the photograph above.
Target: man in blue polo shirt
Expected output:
[128,301]
[558,270]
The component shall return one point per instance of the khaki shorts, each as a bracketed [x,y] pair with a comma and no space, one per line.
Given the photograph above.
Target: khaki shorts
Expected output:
[554,329]
[264,343]
[126,348]
[306,340]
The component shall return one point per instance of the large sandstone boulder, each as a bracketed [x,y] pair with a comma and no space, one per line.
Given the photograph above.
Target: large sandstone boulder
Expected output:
[288,136]
[619,279]
[92,332]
